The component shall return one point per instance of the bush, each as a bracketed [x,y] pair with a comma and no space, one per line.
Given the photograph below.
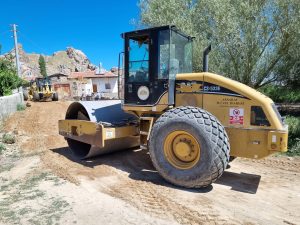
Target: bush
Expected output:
[8,138]
[294,149]
[294,126]
[282,94]
[294,135]
[20,107]
[9,80]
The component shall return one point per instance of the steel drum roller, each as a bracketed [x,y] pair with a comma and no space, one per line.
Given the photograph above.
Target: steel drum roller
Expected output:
[107,112]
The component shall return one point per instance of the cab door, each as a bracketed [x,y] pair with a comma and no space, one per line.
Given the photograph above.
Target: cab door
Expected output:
[137,69]
[143,84]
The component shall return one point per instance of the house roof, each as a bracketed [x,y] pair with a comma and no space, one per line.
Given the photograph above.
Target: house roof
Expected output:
[57,75]
[81,74]
[91,74]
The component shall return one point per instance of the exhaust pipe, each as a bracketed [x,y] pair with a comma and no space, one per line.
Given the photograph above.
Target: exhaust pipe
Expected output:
[205,58]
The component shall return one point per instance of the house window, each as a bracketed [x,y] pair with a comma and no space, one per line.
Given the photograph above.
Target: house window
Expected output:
[95,89]
[107,86]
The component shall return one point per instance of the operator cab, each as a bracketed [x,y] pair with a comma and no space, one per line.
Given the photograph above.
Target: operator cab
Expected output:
[42,82]
[153,57]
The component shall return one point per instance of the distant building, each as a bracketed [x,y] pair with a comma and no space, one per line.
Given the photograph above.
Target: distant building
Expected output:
[105,83]
[90,83]
[81,85]
[61,85]
[58,78]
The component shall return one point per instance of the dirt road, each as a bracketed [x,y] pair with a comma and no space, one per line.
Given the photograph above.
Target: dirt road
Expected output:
[50,186]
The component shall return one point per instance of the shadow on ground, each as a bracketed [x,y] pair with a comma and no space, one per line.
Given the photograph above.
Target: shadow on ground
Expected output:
[241,182]
[138,164]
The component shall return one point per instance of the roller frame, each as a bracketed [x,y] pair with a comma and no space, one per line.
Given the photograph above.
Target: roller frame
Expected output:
[93,133]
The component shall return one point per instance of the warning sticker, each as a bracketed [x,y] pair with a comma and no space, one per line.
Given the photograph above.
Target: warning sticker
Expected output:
[109,134]
[236,116]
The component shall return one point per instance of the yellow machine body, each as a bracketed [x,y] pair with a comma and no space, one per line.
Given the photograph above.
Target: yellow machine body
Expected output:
[191,123]
[246,139]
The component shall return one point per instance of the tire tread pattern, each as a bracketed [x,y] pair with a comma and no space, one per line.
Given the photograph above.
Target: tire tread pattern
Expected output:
[213,128]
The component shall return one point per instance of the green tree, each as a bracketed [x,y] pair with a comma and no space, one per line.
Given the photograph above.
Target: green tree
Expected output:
[251,39]
[42,65]
[9,80]
[289,69]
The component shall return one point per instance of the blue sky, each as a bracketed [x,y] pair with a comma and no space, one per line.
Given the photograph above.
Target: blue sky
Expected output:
[89,25]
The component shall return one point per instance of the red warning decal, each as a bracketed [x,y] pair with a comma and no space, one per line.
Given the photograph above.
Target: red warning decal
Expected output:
[236,116]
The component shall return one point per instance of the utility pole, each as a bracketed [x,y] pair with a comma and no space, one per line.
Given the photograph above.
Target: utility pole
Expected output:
[16,49]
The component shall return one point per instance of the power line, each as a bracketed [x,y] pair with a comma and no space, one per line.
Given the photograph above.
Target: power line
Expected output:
[32,42]
[5,32]
[2,34]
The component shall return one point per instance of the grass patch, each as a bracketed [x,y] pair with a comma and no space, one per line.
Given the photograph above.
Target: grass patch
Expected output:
[8,138]
[6,167]
[23,201]
[21,107]
[52,213]
[2,148]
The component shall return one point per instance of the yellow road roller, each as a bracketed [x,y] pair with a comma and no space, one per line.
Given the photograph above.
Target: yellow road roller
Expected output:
[40,89]
[191,123]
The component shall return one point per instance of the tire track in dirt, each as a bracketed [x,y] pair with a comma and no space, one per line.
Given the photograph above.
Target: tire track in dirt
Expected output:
[161,202]
[126,176]
[40,126]
[37,133]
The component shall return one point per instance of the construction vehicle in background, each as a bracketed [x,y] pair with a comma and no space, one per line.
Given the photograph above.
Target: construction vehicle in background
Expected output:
[40,89]
[191,123]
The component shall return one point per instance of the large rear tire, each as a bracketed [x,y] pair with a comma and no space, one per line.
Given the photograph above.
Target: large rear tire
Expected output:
[36,96]
[189,147]
[55,97]
[25,95]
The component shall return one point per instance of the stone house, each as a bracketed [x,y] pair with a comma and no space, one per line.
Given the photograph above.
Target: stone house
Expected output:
[89,83]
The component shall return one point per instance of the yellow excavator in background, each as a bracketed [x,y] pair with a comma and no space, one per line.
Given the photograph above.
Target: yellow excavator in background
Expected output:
[40,90]
[191,123]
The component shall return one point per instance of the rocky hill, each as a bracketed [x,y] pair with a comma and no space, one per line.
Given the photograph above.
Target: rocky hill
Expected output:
[63,62]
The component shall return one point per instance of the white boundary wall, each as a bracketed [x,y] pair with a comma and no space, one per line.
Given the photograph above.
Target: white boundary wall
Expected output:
[8,104]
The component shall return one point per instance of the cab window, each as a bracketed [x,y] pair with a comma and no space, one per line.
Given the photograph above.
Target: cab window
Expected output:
[175,54]
[139,59]
[164,54]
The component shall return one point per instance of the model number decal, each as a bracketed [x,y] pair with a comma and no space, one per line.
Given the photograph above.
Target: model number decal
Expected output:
[212,88]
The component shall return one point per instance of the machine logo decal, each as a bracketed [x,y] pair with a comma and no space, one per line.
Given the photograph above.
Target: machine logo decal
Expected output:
[143,93]
[189,87]
[236,116]
[183,86]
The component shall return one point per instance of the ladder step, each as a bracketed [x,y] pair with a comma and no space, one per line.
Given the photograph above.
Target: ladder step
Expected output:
[145,118]
[144,133]
[143,147]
